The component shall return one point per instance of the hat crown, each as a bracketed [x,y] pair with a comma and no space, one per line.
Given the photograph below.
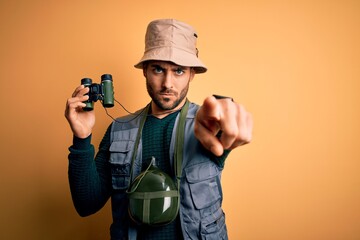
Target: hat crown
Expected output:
[173,41]
[170,33]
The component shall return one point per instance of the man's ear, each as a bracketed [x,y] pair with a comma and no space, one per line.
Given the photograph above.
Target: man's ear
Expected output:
[192,74]
[145,65]
[144,72]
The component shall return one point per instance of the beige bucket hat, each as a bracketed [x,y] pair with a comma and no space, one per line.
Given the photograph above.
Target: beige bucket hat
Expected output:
[174,41]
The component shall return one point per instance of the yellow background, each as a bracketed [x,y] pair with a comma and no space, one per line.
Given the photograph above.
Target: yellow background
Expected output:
[293,64]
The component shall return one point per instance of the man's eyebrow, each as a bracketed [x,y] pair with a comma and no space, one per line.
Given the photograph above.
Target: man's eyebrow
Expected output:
[178,67]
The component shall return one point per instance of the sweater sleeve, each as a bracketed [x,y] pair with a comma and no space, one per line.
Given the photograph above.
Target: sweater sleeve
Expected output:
[89,178]
[220,161]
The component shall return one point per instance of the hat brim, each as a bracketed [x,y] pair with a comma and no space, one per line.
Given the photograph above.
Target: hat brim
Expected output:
[178,56]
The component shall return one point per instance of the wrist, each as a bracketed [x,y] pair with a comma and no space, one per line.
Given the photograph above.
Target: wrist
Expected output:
[81,143]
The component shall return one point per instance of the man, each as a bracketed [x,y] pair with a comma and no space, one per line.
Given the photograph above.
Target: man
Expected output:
[188,142]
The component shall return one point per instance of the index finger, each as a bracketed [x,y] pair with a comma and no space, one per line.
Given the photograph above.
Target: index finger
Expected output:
[80,90]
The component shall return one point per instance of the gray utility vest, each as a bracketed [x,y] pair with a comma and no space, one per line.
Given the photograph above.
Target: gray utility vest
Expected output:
[200,210]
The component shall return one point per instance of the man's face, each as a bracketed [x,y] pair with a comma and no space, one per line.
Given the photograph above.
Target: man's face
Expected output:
[167,83]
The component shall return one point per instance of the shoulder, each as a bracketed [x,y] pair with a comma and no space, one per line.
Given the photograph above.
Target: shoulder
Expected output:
[130,121]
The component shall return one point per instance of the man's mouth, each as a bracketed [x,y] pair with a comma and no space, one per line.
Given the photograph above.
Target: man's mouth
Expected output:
[167,93]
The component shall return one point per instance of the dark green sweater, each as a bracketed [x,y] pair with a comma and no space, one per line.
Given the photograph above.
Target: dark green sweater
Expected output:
[156,138]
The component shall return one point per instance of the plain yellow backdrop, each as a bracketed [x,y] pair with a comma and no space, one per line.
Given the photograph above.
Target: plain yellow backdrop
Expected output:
[293,64]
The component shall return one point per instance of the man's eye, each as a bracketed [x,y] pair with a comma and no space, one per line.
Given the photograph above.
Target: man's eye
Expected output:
[158,70]
[179,71]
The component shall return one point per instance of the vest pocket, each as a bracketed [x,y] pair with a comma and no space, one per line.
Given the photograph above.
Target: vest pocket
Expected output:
[120,160]
[203,183]
[213,227]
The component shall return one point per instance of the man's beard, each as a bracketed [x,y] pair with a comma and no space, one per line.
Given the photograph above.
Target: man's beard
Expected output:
[161,101]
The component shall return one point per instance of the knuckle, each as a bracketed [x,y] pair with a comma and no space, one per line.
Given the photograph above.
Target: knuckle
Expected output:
[232,133]
[245,136]
[228,105]
[241,109]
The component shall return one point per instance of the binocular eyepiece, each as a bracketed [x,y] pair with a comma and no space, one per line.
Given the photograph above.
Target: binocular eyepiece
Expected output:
[103,92]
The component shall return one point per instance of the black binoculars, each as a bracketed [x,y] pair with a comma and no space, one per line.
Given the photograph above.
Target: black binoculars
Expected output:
[103,92]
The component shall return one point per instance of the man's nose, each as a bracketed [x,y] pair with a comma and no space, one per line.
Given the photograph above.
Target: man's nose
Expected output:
[167,81]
